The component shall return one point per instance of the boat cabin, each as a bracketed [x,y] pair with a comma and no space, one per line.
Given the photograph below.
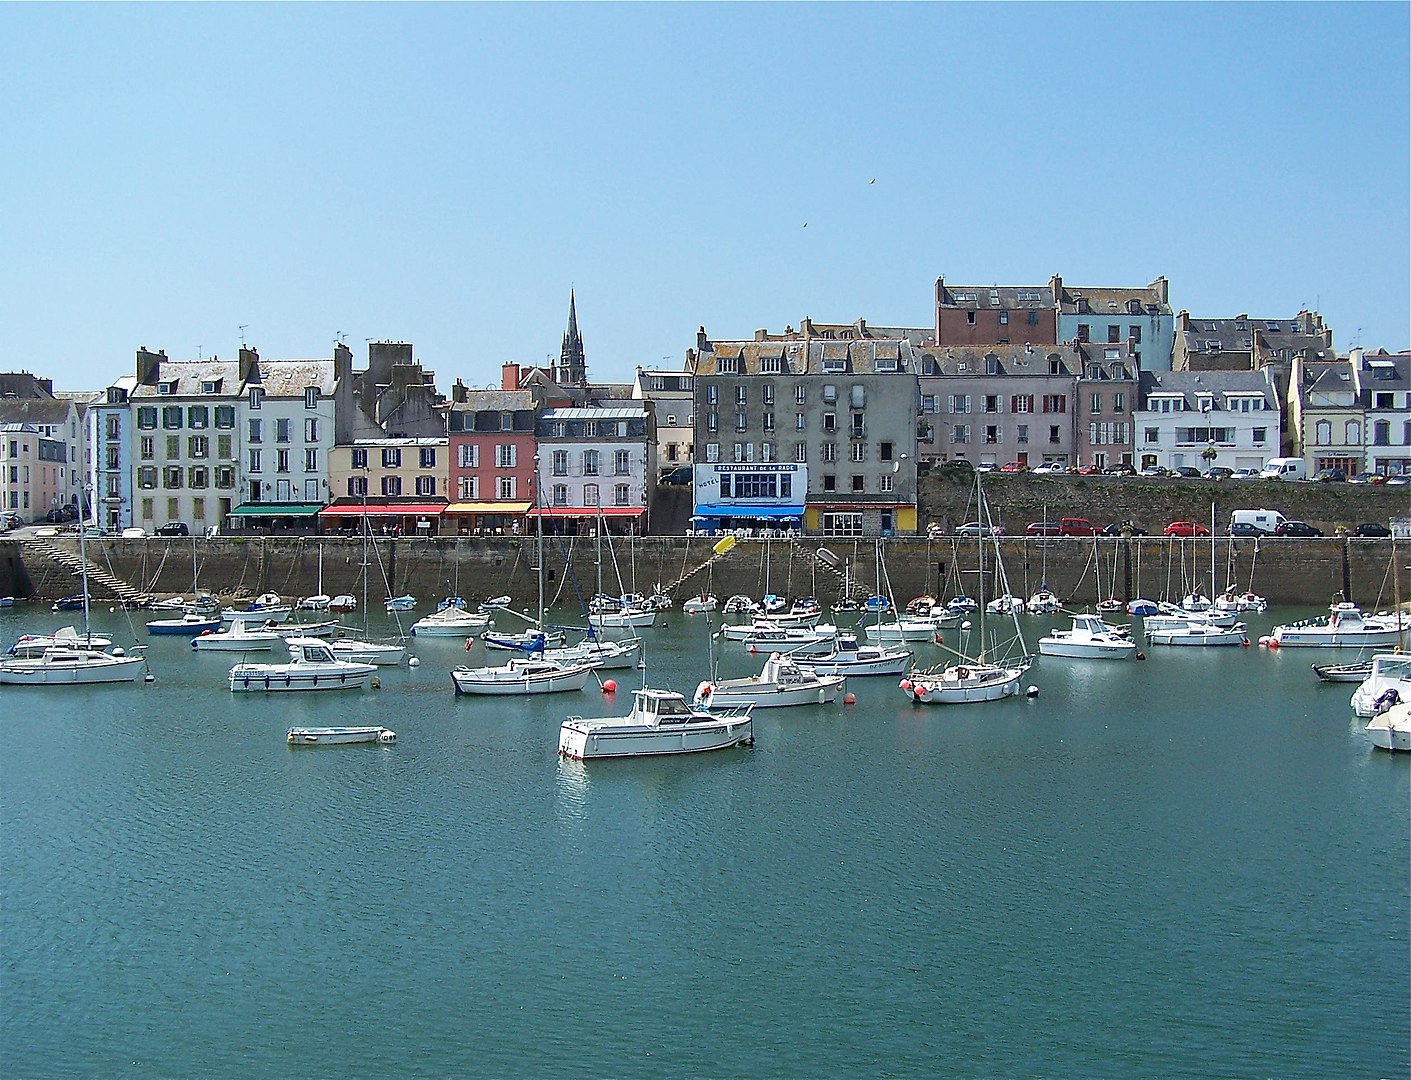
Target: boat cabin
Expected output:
[660,708]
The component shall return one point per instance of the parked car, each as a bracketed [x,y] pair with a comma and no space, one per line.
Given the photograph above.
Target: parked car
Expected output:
[1051,468]
[1120,528]
[135,532]
[985,466]
[1188,471]
[1155,470]
[1297,528]
[682,474]
[1076,526]
[1367,478]
[10,520]
[173,528]
[1219,472]
[1372,530]
[959,463]
[1015,466]
[1330,476]
[1246,528]
[978,528]
[1186,528]
[1399,480]
[1043,528]
[60,514]
[1245,474]
[1115,470]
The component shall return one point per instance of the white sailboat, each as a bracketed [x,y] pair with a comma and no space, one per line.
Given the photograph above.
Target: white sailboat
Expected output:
[851,659]
[240,637]
[80,662]
[982,676]
[362,649]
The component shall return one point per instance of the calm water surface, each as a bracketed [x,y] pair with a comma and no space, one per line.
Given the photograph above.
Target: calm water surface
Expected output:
[1191,866]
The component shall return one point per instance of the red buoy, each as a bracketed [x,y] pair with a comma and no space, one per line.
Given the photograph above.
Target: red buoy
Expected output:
[610,687]
[849,698]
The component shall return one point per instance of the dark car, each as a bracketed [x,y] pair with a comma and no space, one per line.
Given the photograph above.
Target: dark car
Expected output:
[1156,470]
[1119,470]
[1297,528]
[1367,478]
[959,463]
[173,528]
[1124,528]
[1219,472]
[682,474]
[1246,528]
[1372,530]
[1330,476]
[1189,472]
[61,514]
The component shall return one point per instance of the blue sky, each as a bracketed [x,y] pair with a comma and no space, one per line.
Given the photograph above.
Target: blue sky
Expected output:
[444,174]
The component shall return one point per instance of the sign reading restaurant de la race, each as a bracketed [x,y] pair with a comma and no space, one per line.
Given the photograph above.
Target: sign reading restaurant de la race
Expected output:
[759,466]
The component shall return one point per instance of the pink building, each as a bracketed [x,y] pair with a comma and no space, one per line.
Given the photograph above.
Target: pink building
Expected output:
[492,447]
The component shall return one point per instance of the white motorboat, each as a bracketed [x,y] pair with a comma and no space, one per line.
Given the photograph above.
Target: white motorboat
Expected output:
[318,602]
[1090,638]
[400,603]
[1392,729]
[1172,617]
[241,637]
[323,629]
[1230,600]
[312,666]
[961,684]
[1344,628]
[257,612]
[361,651]
[795,640]
[1143,607]
[1044,602]
[1387,684]
[1005,605]
[851,659]
[632,616]
[1198,634]
[603,653]
[700,604]
[339,736]
[450,621]
[66,665]
[521,675]
[781,682]
[905,628]
[661,722]
[66,637]
[740,605]
[492,605]
[1356,672]
[343,603]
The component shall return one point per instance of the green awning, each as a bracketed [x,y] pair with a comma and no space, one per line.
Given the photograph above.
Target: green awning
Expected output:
[264,509]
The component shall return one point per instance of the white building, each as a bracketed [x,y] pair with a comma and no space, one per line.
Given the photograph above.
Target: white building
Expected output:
[1202,419]
[110,437]
[285,417]
[595,462]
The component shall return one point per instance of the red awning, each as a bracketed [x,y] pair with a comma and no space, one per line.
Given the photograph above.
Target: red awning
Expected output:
[588,511]
[354,510]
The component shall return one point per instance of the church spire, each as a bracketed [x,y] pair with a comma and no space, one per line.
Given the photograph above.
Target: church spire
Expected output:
[573,367]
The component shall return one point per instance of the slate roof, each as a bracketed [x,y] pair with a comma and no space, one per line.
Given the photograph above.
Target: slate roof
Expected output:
[1012,359]
[1238,335]
[190,374]
[1189,384]
[1010,297]
[495,401]
[858,356]
[1102,300]
[290,378]
[34,410]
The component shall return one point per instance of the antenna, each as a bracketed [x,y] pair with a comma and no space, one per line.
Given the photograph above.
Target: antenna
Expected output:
[340,337]
[243,328]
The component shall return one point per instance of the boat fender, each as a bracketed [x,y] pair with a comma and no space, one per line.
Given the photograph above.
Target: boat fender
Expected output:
[703,693]
[905,684]
[962,673]
[468,643]
[1141,655]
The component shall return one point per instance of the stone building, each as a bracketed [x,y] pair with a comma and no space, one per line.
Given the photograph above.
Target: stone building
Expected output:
[815,427]
[669,394]
[110,435]
[1385,380]
[51,427]
[33,471]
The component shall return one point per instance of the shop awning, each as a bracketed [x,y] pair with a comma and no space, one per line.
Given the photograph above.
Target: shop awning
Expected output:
[488,507]
[267,509]
[772,512]
[588,511]
[353,510]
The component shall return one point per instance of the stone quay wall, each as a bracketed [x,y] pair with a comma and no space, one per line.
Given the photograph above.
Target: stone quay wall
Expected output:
[1287,571]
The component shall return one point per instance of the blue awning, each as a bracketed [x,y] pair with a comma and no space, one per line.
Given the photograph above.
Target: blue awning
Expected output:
[771,512]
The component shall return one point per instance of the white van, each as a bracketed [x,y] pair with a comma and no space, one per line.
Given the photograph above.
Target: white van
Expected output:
[1266,521]
[1284,468]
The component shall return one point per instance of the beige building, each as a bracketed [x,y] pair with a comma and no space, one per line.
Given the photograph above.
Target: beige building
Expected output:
[670,394]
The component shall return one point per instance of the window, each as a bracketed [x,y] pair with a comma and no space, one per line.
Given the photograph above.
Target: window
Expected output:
[391,457]
[830,394]
[830,451]
[969,318]
[799,423]
[767,452]
[830,482]
[856,427]
[1095,404]
[1003,317]
[1119,402]
[360,458]
[1114,333]
[590,463]
[1352,433]
[712,394]
[884,451]
[257,397]
[1260,436]
[311,397]
[506,455]
[884,483]
[590,494]
[558,463]
[712,421]
[859,482]
[198,416]
[468,488]
[1150,435]
[767,420]
[255,431]
[590,429]
[960,403]
[712,451]
[830,421]
[1082,331]
[198,476]
[173,446]
[858,452]
[1135,334]
[742,422]
[254,461]
[767,393]
[1021,403]
[391,485]
[148,447]
[171,477]
[621,495]
[800,395]
[311,429]
[960,433]
[197,446]
[621,462]
[147,476]
[741,395]
[426,485]
[225,417]
[225,477]
[171,417]
[427,457]
[281,461]
[560,494]
[728,365]
[771,365]
[1023,433]
[992,433]
[147,418]
[800,451]
[991,365]
[281,429]
[992,403]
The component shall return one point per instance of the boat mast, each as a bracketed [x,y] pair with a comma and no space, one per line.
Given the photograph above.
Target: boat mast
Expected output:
[984,515]
[539,543]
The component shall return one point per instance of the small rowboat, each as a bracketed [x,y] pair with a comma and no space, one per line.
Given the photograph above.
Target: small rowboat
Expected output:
[1343,672]
[338,736]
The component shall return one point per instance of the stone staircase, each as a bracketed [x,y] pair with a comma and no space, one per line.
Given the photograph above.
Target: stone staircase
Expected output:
[97,576]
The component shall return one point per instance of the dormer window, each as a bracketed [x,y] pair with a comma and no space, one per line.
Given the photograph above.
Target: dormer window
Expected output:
[771,365]
[835,367]
[1213,346]
[729,365]
[257,396]
[311,397]
[167,387]
[210,386]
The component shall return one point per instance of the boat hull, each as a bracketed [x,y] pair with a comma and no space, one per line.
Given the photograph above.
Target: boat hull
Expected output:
[1197,637]
[593,740]
[763,695]
[1085,650]
[468,682]
[978,684]
[903,631]
[262,679]
[1334,639]
[887,665]
[366,652]
[340,736]
[1392,729]
[231,643]
[177,626]
[35,672]
[617,619]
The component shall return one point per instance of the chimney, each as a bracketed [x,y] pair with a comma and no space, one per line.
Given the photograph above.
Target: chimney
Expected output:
[702,342]
[149,366]
[509,376]
[761,335]
[861,326]
[249,365]
[940,288]
[342,362]
[1162,287]
[1055,287]
[459,392]
[1183,321]
[806,326]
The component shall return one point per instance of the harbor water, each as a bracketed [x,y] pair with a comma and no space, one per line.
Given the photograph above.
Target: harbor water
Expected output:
[1193,865]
